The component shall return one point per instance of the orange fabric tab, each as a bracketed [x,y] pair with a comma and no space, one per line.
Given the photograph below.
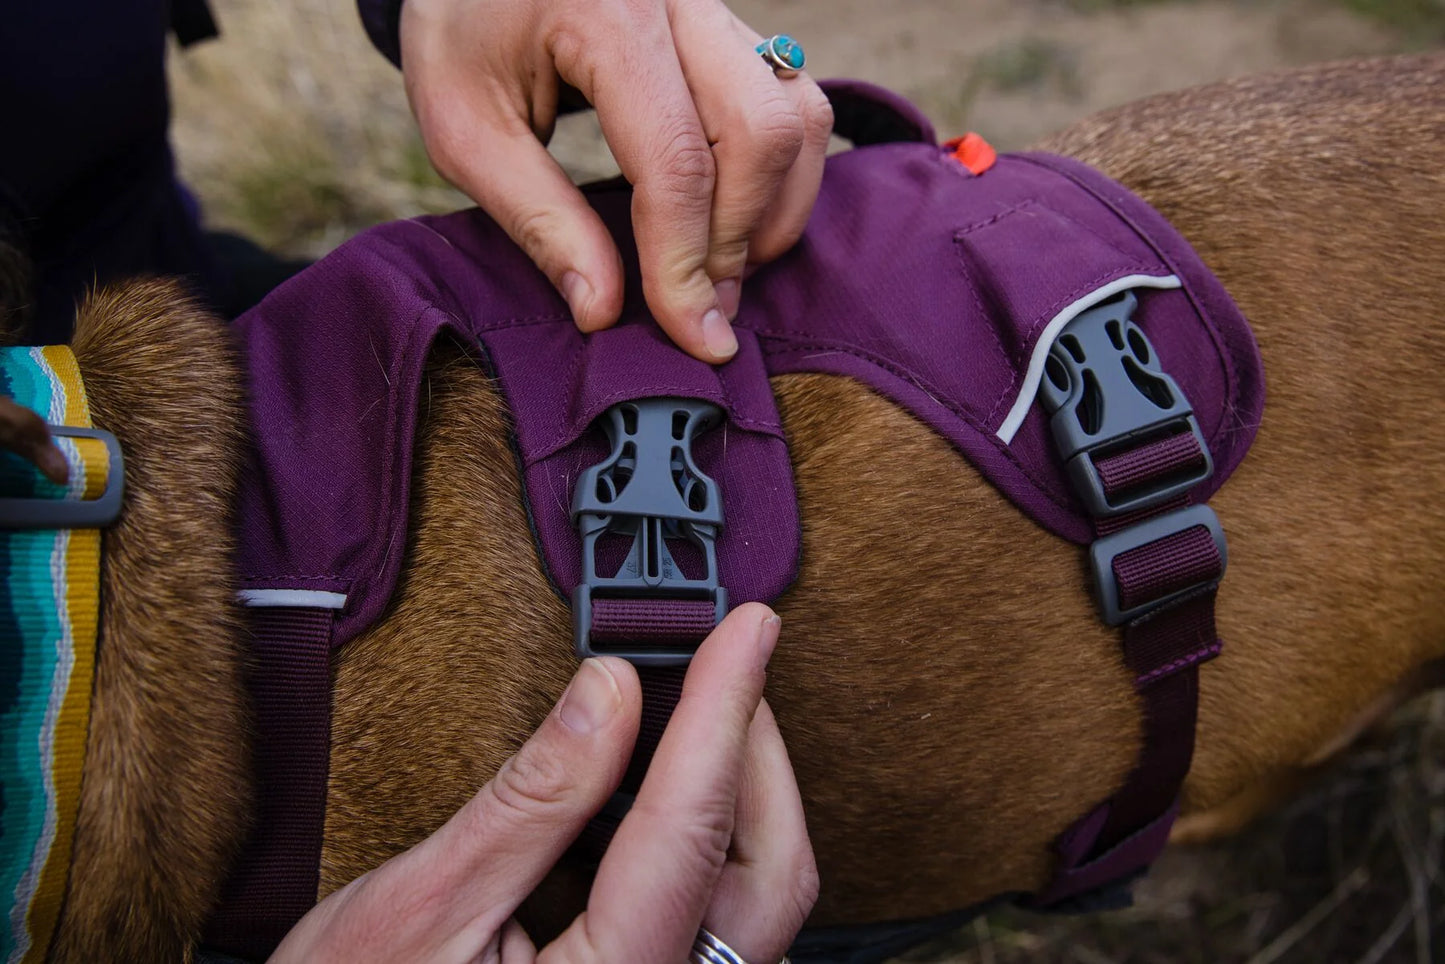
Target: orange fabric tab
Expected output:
[973,152]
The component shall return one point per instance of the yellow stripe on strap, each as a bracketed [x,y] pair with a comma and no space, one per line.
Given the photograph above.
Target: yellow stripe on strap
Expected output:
[88,458]
[61,636]
[65,372]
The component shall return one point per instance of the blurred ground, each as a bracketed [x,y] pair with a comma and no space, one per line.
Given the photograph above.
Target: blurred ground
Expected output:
[294,131]
[1349,873]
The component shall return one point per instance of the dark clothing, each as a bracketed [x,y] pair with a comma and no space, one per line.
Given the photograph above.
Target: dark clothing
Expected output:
[382,19]
[87,178]
[87,175]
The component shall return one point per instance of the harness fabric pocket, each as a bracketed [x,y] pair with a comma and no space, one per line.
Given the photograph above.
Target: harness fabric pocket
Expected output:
[1026,265]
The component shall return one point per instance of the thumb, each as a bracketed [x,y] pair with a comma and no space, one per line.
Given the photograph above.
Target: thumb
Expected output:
[449,896]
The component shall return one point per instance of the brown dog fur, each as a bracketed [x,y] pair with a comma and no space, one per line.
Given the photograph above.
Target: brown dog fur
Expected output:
[948,696]
[166,793]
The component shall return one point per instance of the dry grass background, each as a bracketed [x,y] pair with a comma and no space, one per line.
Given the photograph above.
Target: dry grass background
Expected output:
[292,130]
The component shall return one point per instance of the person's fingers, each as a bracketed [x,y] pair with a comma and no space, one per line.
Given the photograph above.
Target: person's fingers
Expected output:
[769,136]
[522,187]
[25,433]
[513,831]
[783,223]
[516,946]
[657,876]
[449,896]
[770,882]
[752,123]
[624,61]
[482,135]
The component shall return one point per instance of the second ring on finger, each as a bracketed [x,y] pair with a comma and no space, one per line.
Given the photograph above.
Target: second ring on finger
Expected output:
[708,948]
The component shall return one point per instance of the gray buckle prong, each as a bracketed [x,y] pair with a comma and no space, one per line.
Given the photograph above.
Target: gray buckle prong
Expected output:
[1106,392]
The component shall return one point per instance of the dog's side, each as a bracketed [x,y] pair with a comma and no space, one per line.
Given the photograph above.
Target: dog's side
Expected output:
[949,698]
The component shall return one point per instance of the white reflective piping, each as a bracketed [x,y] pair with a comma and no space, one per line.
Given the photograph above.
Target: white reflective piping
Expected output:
[1030,388]
[309,598]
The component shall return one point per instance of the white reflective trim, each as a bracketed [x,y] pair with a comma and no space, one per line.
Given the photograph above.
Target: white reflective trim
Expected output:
[1030,388]
[309,598]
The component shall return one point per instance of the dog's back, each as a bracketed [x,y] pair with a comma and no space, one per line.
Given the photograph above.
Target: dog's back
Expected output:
[950,699]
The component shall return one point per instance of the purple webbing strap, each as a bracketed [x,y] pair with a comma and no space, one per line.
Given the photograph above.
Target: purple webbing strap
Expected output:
[661,689]
[657,622]
[1162,568]
[275,880]
[643,621]
[1163,648]
[1108,525]
[1136,467]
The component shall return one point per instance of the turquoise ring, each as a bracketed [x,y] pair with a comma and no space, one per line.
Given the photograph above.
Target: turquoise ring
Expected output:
[783,54]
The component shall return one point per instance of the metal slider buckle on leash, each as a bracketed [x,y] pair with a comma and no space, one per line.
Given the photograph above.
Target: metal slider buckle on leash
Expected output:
[650,491]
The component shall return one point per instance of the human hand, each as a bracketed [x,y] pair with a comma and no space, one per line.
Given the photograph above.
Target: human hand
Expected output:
[725,157]
[715,838]
[24,433]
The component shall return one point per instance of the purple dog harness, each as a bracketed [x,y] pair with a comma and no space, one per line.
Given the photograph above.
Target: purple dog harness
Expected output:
[660,488]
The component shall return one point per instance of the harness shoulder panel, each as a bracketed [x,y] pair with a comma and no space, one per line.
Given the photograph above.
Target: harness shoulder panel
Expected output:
[944,291]
[325,497]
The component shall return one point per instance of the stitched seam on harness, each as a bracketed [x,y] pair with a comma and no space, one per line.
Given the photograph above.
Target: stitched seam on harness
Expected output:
[524,322]
[1087,229]
[1208,652]
[1020,364]
[994,219]
[1134,267]
[928,389]
[566,437]
[978,300]
[1131,258]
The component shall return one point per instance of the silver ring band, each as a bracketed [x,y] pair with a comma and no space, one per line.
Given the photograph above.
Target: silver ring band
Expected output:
[708,948]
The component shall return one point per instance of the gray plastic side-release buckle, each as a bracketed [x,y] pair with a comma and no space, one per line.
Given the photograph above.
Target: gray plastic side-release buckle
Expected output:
[1106,392]
[649,490]
[97,513]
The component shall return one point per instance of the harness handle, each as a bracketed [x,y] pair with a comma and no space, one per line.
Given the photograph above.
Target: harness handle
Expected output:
[867,114]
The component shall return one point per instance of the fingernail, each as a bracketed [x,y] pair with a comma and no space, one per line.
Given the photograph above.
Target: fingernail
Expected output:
[591,699]
[729,294]
[577,292]
[768,636]
[717,335]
